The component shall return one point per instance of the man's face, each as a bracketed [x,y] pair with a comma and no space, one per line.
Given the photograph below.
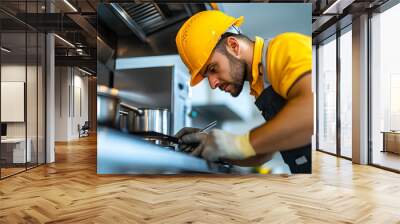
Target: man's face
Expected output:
[225,72]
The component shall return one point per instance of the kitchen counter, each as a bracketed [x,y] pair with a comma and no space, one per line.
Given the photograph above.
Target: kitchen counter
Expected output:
[120,153]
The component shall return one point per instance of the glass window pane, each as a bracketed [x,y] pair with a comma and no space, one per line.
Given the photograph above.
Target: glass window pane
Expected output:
[31,97]
[327,96]
[13,86]
[386,89]
[41,98]
[346,94]
[23,84]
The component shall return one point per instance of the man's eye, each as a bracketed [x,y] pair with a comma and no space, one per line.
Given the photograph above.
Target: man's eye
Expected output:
[212,69]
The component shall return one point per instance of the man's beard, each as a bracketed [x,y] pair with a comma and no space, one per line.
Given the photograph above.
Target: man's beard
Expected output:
[238,73]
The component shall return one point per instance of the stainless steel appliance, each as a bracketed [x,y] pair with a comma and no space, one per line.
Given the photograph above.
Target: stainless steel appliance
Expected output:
[155,82]
[120,153]
[141,151]
[146,119]
[108,115]
[149,124]
[107,106]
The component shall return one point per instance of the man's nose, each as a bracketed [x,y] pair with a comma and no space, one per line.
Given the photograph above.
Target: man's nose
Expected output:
[214,82]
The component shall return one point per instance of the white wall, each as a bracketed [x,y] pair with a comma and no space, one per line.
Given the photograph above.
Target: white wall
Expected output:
[71,102]
[61,103]
[80,110]
[12,73]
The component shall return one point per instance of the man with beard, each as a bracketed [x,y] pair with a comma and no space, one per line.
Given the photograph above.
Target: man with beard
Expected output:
[279,73]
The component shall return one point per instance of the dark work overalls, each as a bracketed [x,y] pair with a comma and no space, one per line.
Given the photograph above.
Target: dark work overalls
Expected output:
[270,103]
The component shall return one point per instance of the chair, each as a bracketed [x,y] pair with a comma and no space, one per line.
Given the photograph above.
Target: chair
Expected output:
[84,130]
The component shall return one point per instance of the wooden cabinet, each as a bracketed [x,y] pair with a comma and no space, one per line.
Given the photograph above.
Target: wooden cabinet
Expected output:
[391,142]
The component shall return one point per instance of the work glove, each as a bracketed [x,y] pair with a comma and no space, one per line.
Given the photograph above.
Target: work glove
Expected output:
[185,131]
[219,145]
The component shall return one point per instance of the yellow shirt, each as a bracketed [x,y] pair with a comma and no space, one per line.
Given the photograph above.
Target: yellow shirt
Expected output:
[288,57]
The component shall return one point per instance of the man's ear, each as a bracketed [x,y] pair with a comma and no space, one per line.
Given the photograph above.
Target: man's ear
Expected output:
[233,46]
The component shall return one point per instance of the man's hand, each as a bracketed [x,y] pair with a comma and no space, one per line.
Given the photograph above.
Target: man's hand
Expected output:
[185,131]
[220,145]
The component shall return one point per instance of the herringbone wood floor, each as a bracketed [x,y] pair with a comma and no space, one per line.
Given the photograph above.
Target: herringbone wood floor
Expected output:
[70,191]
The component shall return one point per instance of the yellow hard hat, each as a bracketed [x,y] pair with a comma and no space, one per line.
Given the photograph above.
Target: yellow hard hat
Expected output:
[199,35]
